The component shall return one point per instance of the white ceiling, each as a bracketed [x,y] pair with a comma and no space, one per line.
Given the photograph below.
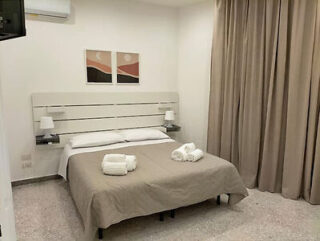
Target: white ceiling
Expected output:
[171,3]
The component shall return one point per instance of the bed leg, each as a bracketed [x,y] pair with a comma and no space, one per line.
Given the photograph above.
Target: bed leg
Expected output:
[228,198]
[161,216]
[172,213]
[100,233]
[218,200]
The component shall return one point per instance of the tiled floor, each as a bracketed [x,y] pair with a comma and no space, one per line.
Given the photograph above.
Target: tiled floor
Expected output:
[46,212]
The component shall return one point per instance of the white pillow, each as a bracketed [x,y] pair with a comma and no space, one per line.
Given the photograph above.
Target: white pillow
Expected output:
[96,139]
[143,134]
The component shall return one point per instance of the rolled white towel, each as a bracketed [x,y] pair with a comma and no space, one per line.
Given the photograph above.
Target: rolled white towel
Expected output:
[189,147]
[179,154]
[131,161]
[114,168]
[114,158]
[195,155]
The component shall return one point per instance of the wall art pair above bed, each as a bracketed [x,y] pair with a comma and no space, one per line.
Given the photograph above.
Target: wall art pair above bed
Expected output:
[99,67]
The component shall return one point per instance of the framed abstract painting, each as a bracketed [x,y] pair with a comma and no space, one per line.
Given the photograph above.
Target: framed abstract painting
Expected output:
[127,68]
[99,69]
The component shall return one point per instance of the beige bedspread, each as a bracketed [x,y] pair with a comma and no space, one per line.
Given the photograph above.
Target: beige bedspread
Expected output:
[158,184]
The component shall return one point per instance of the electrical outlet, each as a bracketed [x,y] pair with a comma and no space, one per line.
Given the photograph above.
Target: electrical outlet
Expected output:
[27,164]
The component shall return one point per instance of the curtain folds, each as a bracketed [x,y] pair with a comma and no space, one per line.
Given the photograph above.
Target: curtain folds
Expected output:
[265,93]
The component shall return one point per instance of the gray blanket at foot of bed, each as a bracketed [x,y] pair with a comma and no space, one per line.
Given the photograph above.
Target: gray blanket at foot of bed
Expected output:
[158,184]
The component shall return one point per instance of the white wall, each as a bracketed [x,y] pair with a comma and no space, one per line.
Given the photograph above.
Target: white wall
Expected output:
[51,58]
[194,60]
[6,205]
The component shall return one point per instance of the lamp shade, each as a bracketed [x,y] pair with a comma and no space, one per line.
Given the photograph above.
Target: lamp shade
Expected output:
[46,122]
[169,115]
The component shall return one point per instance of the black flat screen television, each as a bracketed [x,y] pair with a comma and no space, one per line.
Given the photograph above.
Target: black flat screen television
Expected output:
[12,19]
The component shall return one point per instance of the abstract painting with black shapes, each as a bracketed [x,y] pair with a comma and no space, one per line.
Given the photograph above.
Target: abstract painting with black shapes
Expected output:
[98,66]
[127,68]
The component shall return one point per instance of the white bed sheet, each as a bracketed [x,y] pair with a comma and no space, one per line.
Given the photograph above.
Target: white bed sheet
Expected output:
[68,151]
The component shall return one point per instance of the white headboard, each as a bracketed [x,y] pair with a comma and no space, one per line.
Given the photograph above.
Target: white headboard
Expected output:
[75,113]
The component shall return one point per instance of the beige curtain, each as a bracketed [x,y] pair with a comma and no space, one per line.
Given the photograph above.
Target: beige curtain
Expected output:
[265,93]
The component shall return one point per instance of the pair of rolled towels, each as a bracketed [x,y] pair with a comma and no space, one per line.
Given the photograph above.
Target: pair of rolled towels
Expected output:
[187,152]
[118,164]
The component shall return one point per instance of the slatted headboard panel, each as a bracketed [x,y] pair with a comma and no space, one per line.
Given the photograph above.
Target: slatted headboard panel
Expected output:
[75,113]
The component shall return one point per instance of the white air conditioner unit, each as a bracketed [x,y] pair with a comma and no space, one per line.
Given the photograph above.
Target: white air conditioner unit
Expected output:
[53,8]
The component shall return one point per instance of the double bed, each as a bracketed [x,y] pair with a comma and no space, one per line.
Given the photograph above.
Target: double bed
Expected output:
[158,184]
